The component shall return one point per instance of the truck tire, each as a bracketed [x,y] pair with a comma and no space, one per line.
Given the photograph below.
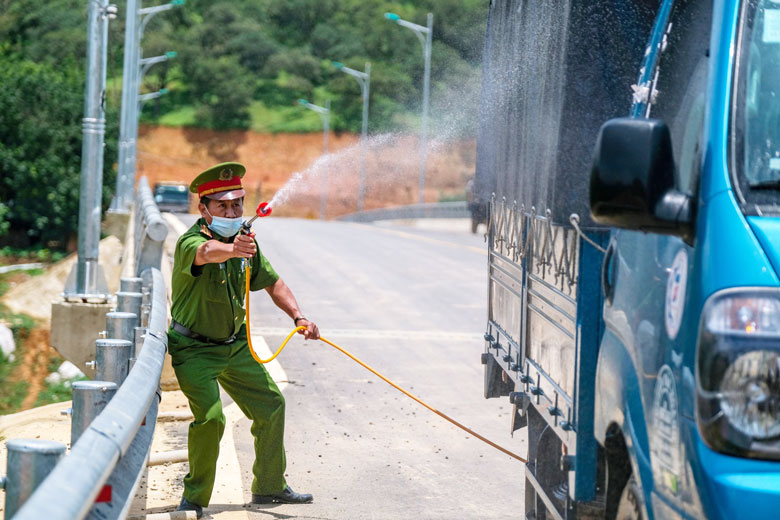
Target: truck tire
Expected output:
[632,504]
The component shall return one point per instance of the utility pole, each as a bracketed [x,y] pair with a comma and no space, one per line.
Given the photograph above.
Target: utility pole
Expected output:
[426,97]
[135,66]
[87,281]
[324,113]
[124,183]
[425,35]
[364,80]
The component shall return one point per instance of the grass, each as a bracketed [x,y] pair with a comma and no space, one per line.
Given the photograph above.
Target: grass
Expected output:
[278,119]
[14,255]
[56,392]
[12,396]
[12,393]
[283,119]
[184,116]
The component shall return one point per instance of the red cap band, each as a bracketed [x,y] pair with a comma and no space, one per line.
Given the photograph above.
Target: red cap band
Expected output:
[207,188]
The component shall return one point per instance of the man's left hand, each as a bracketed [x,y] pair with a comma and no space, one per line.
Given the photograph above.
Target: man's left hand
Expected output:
[311,331]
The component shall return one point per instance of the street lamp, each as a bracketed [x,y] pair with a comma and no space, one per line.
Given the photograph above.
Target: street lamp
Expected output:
[424,34]
[86,281]
[135,24]
[324,113]
[148,62]
[143,98]
[364,80]
[148,12]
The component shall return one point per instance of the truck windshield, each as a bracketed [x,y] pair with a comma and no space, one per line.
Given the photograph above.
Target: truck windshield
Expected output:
[171,193]
[756,132]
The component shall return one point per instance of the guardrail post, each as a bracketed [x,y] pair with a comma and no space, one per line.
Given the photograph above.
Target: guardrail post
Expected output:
[131,284]
[89,399]
[29,462]
[112,359]
[139,340]
[146,307]
[118,440]
[121,325]
[129,302]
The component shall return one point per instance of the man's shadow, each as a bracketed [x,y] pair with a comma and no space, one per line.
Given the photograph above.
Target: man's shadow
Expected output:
[265,509]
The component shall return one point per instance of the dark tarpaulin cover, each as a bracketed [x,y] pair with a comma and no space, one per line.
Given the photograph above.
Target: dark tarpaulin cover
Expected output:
[553,73]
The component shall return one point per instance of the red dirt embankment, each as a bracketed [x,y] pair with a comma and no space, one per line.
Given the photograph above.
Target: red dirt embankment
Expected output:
[392,166]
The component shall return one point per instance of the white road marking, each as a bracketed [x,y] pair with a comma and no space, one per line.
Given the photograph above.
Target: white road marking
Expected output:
[178,226]
[228,489]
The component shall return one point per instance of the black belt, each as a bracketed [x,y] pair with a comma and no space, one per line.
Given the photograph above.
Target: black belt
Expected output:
[184,331]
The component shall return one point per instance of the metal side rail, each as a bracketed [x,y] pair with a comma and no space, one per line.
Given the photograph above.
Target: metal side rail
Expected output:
[150,229]
[116,440]
[413,211]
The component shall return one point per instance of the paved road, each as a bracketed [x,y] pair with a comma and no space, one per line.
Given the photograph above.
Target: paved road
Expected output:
[410,302]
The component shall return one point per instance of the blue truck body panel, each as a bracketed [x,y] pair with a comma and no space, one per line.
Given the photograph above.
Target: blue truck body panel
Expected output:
[619,340]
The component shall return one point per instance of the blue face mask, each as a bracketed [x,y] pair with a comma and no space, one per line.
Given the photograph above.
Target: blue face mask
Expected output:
[226,227]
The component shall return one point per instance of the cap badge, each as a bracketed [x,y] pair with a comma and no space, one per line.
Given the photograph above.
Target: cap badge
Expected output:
[226,174]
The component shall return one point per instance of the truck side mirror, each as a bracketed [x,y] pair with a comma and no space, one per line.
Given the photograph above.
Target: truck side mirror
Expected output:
[633,180]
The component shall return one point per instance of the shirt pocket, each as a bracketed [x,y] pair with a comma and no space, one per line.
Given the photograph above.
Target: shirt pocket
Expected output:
[216,285]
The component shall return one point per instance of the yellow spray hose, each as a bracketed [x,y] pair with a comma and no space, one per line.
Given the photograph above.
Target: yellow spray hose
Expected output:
[359,362]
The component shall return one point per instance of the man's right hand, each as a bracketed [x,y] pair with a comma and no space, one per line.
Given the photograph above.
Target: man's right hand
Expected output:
[216,252]
[244,246]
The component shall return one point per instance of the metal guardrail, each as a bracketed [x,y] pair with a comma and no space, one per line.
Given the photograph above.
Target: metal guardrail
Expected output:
[150,229]
[71,488]
[98,478]
[458,209]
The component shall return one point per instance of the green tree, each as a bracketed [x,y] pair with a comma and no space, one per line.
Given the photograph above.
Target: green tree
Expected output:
[223,90]
[41,107]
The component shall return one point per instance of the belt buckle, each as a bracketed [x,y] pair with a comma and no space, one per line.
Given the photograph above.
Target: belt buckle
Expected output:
[230,340]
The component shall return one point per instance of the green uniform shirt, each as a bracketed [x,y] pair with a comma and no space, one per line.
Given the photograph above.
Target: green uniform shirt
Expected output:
[209,299]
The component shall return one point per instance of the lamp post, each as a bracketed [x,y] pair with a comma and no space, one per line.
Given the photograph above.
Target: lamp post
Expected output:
[87,281]
[135,24]
[143,66]
[364,80]
[143,98]
[425,35]
[148,62]
[324,113]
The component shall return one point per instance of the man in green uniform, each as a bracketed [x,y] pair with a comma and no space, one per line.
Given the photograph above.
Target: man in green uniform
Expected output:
[208,344]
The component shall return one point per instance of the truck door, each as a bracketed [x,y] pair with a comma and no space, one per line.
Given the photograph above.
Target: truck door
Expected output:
[648,277]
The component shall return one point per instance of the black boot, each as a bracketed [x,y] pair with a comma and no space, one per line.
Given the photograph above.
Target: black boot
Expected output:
[186,505]
[288,496]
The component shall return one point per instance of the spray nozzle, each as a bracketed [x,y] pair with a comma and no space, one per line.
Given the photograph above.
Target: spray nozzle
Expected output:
[263,210]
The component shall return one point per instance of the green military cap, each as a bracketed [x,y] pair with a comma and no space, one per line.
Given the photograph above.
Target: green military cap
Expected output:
[220,182]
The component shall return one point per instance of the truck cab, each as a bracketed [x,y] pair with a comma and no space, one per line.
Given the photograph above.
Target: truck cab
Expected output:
[172,196]
[640,342]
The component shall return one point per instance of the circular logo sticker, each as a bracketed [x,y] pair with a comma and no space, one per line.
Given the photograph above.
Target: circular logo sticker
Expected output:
[665,434]
[675,294]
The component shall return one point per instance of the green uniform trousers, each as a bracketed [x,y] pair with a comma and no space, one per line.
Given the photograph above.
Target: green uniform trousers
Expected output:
[199,366]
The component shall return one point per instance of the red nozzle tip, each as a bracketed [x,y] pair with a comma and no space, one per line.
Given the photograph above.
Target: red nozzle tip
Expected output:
[263,210]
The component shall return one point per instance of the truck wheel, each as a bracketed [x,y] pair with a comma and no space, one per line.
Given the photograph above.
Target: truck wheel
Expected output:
[631,504]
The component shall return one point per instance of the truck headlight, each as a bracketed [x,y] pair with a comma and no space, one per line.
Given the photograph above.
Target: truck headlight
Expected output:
[738,373]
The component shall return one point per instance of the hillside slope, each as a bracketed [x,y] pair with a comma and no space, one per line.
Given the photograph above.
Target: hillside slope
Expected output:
[392,171]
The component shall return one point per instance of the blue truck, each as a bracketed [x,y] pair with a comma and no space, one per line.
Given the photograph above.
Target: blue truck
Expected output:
[630,152]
